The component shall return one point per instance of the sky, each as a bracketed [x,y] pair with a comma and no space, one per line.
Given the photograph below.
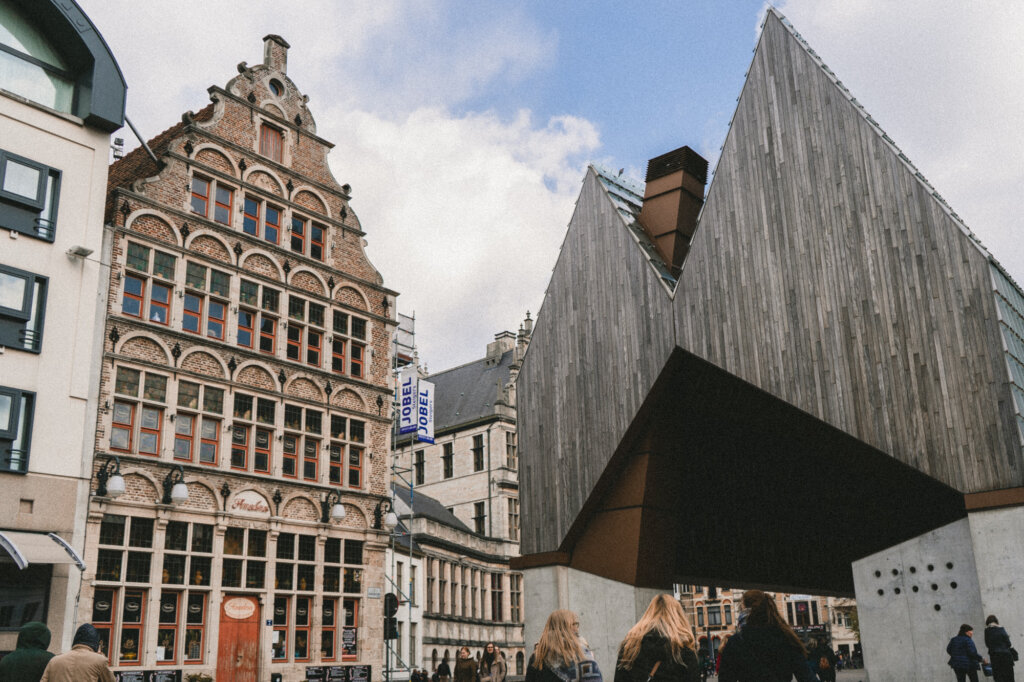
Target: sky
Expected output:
[465,128]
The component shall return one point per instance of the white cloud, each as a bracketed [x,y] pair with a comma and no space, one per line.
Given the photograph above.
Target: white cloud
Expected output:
[458,215]
[943,79]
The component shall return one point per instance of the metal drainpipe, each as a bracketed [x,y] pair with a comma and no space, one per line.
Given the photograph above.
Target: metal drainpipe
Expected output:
[490,483]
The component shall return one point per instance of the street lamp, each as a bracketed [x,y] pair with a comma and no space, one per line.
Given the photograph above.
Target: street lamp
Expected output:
[109,480]
[384,516]
[175,490]
[331,507]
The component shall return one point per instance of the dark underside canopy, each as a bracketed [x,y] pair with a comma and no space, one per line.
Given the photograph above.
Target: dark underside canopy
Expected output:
[718,482]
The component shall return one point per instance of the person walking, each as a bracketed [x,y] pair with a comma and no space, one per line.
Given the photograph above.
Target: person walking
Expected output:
[82,663]
[963,655]
[823,662]
[465,666]
[29,658]
[444,671]
[1000,651]
[660,647]
[561,655]
[492,665]
[765,647]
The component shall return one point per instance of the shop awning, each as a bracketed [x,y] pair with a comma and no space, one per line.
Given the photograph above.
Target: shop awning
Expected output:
[38,548]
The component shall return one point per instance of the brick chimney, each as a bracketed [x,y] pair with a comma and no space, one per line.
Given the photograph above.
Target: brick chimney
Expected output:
[275,53]
[672,200]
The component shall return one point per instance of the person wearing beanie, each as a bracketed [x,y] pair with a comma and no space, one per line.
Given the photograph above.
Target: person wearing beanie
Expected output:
[27,662]
[82,663]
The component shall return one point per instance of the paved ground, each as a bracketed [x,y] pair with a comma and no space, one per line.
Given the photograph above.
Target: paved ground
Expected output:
[851,676]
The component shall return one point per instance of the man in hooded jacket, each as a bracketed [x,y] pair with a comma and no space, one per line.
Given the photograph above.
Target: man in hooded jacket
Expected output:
[82,663]
[27,662]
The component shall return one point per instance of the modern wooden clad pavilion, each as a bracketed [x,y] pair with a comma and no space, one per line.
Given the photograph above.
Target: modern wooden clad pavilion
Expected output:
[831,369]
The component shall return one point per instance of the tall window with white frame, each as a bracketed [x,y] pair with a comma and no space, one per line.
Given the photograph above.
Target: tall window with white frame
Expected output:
[188,550]
[479,518]
[121,586]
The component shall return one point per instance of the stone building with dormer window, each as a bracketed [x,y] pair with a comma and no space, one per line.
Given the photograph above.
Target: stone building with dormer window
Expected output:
[243,401]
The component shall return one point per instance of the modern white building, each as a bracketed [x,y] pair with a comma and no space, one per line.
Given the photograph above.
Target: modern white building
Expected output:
[61,96]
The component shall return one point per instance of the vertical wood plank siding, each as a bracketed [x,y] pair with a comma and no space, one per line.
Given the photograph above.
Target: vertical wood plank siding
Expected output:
[822,271]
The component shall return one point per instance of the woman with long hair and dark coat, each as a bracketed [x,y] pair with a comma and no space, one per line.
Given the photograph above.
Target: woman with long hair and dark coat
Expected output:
[659,647]
[765,647]
[561,655]
[1000,651]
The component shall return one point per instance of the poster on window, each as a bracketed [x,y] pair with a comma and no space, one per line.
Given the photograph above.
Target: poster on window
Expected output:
[358,673]
[407,391]
[348,641]
[336,673]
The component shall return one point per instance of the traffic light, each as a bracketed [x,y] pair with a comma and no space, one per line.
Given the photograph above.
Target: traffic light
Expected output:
[390,622]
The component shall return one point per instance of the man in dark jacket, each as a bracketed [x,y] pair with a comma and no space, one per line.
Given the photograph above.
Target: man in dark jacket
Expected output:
[963,655]
[823,662]
[27,662]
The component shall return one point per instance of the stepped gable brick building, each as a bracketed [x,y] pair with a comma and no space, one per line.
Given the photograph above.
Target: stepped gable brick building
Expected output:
[246,357]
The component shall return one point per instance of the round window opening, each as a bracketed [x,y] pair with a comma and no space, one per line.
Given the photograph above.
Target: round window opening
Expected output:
[276,87]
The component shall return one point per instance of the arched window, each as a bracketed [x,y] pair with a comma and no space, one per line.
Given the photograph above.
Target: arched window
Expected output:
[433,660]
[520,659]
[30,65]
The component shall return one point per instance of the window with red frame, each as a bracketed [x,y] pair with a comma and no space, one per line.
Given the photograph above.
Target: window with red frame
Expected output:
[195,625]
[271,142]
[240,446]
[168,624]
[349,335]
[261,451]
[350,631]
[104,606]
[298,236]
[195,430]
[246,327]
[260,217]
[133,619]
[310,459]
[316,242]
[290,455]
[328,629]
[206,191]
[279,642]
[137,426]
[203,284]
[303,606]
[141,289]
[268,335]
[305,341]
[346,448]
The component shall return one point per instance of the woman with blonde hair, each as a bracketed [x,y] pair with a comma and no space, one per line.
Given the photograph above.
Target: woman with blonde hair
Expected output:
[561,655]
[660,646]
[765,648]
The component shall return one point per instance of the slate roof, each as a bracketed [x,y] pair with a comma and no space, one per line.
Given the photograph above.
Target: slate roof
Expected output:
[429,508]
[467,393]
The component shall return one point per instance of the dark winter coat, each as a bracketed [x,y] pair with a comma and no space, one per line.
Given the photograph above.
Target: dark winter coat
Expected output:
[963,655]
[653,648]
[763,654]
[997,641]
[28,661]
[465,670]
[443,670]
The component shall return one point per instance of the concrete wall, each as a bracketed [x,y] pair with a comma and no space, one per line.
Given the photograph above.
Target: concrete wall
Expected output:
[607,609]
[997,536]
[912,598]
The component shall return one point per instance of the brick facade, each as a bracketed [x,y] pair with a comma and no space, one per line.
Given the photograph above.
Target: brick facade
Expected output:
[246,341]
